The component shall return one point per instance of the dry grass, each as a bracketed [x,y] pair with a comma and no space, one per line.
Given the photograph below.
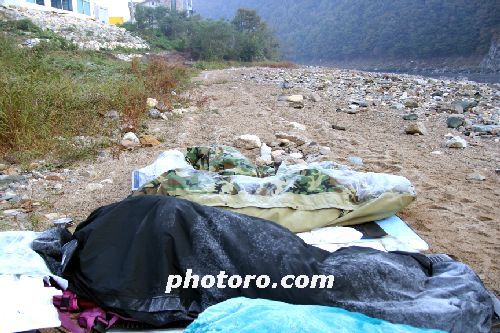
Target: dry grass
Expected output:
[211,65]
[50,96]
[163,78]
[276,64]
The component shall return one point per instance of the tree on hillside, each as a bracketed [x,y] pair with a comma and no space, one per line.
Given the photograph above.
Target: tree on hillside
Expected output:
[247,20]
[245,38]
[367,29]
[256,42]
[213,40]
[146,17]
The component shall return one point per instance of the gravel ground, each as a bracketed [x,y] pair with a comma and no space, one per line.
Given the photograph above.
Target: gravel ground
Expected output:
[454,215]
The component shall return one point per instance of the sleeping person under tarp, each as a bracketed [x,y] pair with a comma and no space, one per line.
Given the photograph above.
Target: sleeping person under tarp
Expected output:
[121,257]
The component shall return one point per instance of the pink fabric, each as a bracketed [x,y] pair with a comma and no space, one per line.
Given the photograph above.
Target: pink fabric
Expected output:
[66,302]
[69,323]
[89,315]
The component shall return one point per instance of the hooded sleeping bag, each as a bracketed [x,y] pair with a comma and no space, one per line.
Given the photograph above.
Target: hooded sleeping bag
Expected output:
[122,255]
[299,197]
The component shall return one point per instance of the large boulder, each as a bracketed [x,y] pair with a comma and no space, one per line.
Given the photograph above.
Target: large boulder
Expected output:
[486,129]
[296,101]
[462,105]
[416,128]
[456,142]
[298,140]
[411,104]
[455,121]
[248,141]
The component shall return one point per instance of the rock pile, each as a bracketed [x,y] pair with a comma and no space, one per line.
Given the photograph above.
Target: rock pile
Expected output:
[84,32]
[16,188]
[289,148]
[157,110]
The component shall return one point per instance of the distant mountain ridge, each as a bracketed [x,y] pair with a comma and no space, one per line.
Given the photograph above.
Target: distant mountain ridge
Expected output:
[340,30]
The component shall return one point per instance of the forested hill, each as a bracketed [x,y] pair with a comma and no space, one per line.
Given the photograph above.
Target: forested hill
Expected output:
[324,30]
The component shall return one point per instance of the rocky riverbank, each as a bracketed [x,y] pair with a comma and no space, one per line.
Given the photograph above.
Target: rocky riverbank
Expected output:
[472,109]
[440,134]
[480,69]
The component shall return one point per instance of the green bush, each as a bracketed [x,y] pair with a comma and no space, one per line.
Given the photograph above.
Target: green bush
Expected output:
[23,25]
[49,40]
[246,38]
[161,42]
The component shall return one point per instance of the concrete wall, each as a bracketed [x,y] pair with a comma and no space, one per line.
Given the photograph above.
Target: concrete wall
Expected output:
[156,3]
[179,5]
[96,11]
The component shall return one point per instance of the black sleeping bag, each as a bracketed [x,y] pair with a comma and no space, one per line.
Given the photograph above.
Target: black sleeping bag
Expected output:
[122,255]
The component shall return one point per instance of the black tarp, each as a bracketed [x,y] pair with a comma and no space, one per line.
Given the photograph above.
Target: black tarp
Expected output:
[48,244]
[126,251]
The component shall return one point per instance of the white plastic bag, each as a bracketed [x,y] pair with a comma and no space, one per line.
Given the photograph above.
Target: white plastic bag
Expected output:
[25,303]
[168,160]
[17,257]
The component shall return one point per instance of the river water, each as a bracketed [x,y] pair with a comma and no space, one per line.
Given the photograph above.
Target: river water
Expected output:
[437,73]
[477,76]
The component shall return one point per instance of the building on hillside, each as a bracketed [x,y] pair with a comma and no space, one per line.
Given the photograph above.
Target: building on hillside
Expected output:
[188,7]
[156,3]
[101,13]
[177,5]
[87,8]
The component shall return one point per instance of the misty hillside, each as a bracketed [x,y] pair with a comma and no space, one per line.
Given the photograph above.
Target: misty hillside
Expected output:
[327,30]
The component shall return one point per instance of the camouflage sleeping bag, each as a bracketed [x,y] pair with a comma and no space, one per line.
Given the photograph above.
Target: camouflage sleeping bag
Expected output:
[298,197]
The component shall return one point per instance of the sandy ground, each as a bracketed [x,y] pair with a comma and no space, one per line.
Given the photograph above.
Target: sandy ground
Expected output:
[453,215]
